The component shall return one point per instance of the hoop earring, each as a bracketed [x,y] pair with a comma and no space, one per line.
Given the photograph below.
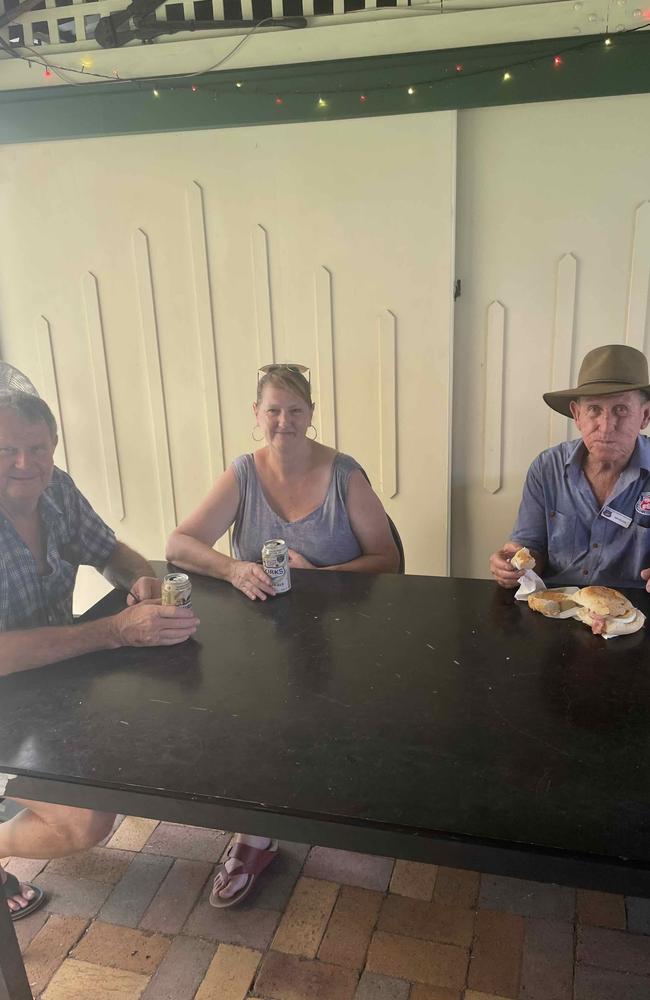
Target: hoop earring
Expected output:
[315,433]
[253,433]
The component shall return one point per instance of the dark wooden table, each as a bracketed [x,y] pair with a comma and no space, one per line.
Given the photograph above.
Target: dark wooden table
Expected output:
[428,718]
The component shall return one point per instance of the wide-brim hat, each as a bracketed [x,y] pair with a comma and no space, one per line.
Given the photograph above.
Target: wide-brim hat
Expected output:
[604,372]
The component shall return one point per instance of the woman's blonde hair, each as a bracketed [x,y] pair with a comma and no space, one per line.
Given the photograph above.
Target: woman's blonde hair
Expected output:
[289,377]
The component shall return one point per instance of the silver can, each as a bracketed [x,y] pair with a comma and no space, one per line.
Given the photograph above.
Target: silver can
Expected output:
[177,589]
[275,560]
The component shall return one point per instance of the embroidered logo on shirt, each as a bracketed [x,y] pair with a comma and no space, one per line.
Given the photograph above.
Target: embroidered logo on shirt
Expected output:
[642,506]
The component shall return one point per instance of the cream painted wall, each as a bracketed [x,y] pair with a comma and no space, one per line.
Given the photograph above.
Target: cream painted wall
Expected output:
[553,249]
[147,278]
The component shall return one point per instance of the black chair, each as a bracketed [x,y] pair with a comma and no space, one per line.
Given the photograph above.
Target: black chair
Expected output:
[398,543]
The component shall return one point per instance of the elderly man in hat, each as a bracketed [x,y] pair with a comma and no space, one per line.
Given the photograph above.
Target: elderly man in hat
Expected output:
[47,530]
[585,509]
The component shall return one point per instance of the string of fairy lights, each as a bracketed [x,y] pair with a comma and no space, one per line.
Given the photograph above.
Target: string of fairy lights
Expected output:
[507,73]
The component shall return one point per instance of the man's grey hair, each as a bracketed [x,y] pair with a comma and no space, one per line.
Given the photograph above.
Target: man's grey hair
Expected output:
[30,408]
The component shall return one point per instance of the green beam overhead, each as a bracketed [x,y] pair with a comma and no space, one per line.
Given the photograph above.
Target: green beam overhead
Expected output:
[473,77]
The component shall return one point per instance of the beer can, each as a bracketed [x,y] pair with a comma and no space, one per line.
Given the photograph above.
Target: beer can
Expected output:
[177,589]
[275,560]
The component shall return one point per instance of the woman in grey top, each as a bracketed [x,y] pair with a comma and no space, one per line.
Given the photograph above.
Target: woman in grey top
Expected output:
[314,497]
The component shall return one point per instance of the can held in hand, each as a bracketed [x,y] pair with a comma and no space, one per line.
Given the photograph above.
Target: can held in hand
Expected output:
[275,560]
[177,589]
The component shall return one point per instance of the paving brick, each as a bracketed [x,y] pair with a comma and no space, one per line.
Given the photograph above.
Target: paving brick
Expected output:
[50,948]
[133,894]
[497,953]
[606,984]
[432,921]
[419,961]
[304,921]
[181,971]
[410,878]
[350,928]
[177,895]
[601,909]
[101,864]
[132,833]
[374,987]
[122,948]
[638,915]
[614,950]
[367,871]
[73,897]
[547,965]
[250,928]
[456,887]
[287,977]
[25,869]
[420,992]
[27,928]
[230,975]
[273,889]
[528,899]
[190,842]
[474,995]
[82,981]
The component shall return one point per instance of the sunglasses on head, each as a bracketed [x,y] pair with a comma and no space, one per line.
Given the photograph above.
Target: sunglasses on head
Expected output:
[296,369]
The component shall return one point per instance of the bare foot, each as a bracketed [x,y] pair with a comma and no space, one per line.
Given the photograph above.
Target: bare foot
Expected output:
[20,901]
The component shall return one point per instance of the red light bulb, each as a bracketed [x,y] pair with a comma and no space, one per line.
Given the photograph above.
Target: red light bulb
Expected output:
[459,68]
[279,100]
[557,60]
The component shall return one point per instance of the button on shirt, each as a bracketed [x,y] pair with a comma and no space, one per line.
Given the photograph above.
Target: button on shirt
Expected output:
[73,534]
[560,515]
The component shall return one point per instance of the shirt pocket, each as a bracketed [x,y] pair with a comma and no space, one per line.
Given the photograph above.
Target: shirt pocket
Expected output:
[563,545]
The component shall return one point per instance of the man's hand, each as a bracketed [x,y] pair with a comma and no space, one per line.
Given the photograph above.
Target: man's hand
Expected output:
[296,561]
[153,624]
[502,569]
[645,575]
[145,588]
[251,579]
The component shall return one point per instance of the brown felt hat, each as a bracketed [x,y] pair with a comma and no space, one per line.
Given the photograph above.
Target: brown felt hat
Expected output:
[604,372]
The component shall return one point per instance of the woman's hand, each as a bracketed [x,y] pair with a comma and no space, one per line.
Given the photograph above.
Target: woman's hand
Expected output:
[296,561]
[251,579]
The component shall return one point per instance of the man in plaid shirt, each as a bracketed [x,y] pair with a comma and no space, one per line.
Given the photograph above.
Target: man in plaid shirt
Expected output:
[47,530]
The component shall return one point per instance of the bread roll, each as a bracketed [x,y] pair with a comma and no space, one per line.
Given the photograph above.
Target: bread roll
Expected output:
[522,559]
[550,602]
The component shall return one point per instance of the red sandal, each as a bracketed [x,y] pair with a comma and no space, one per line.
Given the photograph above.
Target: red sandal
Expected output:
[253,861]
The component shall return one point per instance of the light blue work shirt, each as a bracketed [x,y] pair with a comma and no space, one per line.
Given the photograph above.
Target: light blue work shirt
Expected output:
[560,515]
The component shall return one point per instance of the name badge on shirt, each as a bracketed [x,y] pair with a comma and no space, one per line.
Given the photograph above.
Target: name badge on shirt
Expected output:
[616,517]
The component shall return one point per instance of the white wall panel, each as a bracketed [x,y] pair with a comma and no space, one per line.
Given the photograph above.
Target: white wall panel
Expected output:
[553,222]
[219,253]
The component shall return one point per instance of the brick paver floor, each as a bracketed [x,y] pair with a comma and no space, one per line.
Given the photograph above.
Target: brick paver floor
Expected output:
[130,919]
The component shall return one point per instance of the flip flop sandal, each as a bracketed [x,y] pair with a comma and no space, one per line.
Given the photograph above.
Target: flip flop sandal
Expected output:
[11,887]
[253,861]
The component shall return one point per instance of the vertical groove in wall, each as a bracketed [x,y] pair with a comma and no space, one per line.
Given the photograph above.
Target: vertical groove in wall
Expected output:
[563,338]
[108,443]
[155,388]
[325,351]
[493,397]
[207,341]
[387,405]
[262,282]
[637,303]
[49,384]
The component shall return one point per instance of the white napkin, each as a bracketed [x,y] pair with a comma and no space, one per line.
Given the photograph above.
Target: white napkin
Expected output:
[529,584]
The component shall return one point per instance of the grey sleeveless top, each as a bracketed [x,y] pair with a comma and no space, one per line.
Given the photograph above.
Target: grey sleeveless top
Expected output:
[324,537]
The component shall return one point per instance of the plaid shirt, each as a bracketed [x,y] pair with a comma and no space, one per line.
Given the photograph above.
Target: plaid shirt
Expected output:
[73,534]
